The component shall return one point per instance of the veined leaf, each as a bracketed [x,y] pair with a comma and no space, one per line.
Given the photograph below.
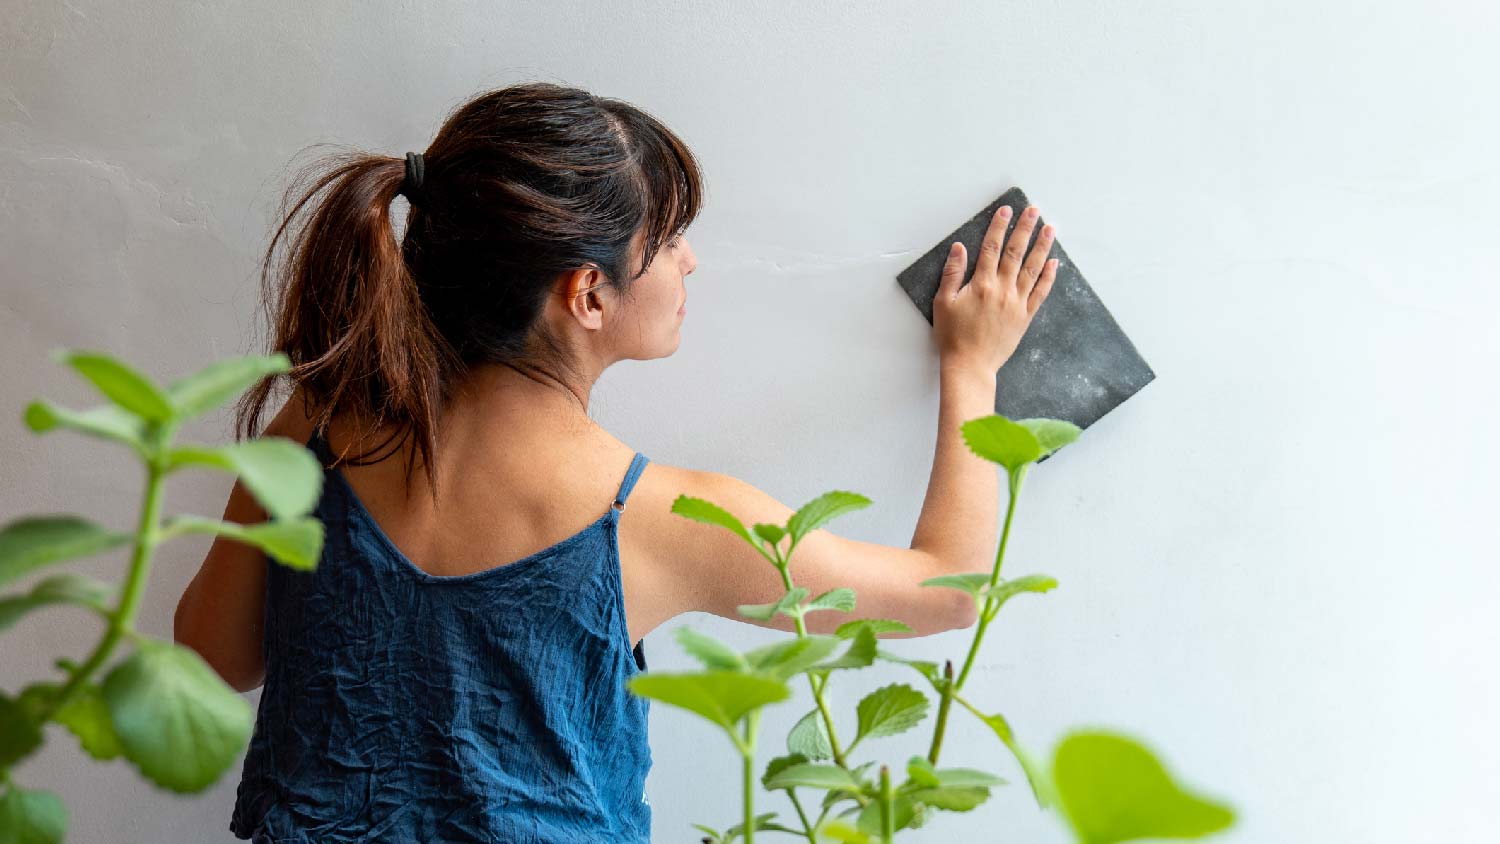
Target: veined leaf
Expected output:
[295,543]
[860,654]
[781,763]
[108,422]
[283,475]
[222,380]
[707,512]
[999,440]
[770,533]
[1051,434]
[86,716]
[786,659]
[810,775]
[809,738]
[176,719]
[841,599]
[119,382]
[973,583]
[954,798]
[1113,789]
[890,710]
[723,697]
[30,543]
[823,509]
[787,604]
[19,732]
[66,588]
[32,817]
[710,651]
[903,808]
[850,629]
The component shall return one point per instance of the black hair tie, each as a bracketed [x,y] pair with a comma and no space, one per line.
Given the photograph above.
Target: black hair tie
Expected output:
[411,186]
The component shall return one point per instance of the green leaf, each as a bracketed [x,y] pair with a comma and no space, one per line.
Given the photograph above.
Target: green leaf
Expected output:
[770,533]
[285,478]
[30,543]
[810,775]
[19,732]
[788,658]
[1114,789]
[1007,589]
[296,543]
[710,651]
[119,382]
[787,604]
[999,440]
[714,836]
[760,822]
[176,719]
[819,511]
[926,668]
[869,817]
[1036,777]
[957,798]
[709,513]
[1051,434]
[221,381]
[86,716]
[920,772]
[66,588]
[809,738]
[781,763]
[104,422]
[890,710]
[860,654]
[722,697]
[841,599]
[974,583]
[841,832]
[850,629]
[32,817]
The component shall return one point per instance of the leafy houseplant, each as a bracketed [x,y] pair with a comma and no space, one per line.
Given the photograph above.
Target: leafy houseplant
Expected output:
[161,707]
[1107,786]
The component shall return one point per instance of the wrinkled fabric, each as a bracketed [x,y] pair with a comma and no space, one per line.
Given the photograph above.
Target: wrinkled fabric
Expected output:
[490,707]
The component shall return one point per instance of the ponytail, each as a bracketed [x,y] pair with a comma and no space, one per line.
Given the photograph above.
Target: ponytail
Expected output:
[352,320]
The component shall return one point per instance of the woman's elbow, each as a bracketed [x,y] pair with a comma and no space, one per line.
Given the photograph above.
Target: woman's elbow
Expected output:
[238,673]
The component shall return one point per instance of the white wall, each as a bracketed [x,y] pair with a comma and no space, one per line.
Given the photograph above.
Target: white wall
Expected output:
[1278,561]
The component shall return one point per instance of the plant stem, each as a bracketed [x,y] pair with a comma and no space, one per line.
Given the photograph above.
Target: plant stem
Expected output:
[887,810]
[121,620]
[812,683]
[812,837]
[747,751]
[987,613]
[942,716]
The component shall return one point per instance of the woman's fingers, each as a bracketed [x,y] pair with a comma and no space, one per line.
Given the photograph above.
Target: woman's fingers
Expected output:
[986,268]
[1032,269]
[1010,257]
[1042,287]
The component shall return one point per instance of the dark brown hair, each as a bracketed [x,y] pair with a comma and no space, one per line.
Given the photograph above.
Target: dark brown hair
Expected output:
[521,184]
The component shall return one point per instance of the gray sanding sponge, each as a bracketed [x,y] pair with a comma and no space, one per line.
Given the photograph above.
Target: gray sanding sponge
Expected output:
[1074,362]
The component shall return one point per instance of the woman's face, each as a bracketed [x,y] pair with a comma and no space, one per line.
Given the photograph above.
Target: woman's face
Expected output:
[647,324]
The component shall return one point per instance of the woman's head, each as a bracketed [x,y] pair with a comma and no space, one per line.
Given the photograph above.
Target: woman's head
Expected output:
[546,236]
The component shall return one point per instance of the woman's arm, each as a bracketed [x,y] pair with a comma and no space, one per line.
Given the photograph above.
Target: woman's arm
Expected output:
[221,613]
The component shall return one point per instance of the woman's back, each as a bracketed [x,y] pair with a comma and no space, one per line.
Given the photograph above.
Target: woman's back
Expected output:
[488,706]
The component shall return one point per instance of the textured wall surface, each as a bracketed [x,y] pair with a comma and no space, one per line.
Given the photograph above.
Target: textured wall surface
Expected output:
[1277,561]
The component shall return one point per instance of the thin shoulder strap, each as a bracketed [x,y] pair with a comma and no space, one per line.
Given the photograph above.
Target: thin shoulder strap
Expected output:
[637,464]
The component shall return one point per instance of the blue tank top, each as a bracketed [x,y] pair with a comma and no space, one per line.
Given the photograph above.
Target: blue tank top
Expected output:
[487,707]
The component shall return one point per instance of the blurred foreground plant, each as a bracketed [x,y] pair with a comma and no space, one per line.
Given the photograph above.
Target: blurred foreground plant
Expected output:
[161,707]
[1108,787]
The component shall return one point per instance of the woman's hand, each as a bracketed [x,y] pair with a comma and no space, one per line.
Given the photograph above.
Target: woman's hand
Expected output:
[980,324]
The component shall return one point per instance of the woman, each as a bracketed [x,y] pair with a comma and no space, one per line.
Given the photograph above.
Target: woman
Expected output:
[419,687]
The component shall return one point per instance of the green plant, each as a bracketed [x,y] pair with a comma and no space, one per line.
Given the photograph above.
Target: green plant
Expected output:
[1107,786]
[161,707]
